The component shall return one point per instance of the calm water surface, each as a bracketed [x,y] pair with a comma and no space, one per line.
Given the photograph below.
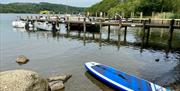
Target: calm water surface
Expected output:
[51,55]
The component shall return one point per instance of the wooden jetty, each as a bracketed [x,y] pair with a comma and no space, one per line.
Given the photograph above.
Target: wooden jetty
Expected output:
[145,23]
[135,22]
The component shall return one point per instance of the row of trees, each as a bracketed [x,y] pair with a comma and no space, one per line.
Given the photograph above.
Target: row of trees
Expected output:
[36,8]
[128,6]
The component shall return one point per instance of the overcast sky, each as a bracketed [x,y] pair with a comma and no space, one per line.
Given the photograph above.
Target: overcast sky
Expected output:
[79,3]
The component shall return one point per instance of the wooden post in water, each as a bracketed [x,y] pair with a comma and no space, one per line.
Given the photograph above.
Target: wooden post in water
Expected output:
[119,33]
[100,34]
[93,35]
[79,34]
[148,30]
[109,28]
[84,30]
[125,33]
[144,28]
[68,27]
[171,29]
[109,32]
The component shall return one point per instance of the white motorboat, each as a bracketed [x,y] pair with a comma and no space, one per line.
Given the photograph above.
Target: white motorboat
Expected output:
[43,26]
[19,24]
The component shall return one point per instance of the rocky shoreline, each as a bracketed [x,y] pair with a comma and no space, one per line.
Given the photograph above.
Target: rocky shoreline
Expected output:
[27,80]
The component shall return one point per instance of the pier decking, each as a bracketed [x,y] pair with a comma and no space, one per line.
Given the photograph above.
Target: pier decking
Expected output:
[131,22]
[145,23]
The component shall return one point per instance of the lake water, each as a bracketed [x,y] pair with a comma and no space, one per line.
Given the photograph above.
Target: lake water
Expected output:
[51,55]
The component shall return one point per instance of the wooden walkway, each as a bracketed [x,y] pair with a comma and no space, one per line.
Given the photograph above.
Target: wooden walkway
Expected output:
[146,24]
[134,22]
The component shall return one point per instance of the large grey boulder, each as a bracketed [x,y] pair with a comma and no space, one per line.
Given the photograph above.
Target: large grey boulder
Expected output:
[22,59]
[22,80]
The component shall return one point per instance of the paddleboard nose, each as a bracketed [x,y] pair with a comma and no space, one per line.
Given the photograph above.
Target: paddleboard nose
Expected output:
[91,64]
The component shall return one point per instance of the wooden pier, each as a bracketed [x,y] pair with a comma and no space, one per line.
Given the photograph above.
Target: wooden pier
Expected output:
[131,22]
[145,23]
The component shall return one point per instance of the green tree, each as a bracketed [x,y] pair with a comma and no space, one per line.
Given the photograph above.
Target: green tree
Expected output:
[103,6]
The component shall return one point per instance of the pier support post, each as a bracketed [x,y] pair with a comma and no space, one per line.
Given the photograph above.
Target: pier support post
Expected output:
[93,35]
[100,34]
[84,29]
[109,28]
[148,32]
[68,27]
[171,29]
[119,33]
[79,34]
[125,33]
[142,43]
[33,25]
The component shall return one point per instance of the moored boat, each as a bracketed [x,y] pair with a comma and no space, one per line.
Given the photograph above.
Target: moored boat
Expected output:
[45,26]
[18,24]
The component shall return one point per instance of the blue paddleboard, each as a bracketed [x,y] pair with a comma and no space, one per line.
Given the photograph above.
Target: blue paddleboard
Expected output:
[120,80]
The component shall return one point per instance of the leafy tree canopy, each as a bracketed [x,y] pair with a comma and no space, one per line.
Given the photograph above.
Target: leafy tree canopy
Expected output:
[128,6]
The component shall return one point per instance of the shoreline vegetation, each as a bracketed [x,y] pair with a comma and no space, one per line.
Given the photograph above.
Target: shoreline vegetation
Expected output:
[165,9]
[128,7]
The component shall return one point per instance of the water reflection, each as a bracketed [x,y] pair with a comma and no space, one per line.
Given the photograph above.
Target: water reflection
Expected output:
[170,79]
[155,40]
[176,83]
[19,30]
[98,83]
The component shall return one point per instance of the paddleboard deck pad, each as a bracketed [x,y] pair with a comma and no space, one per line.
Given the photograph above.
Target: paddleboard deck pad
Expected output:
[120,80]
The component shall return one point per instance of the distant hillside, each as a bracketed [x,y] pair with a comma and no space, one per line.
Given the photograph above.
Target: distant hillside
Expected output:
[127,6]
[37,7]
[103,6]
